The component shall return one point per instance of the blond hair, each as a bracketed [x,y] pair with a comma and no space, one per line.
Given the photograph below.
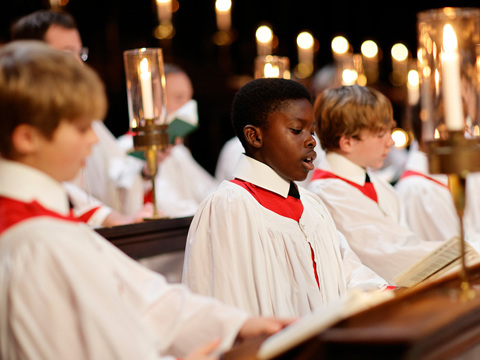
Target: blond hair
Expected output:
[41,87]
[347,110]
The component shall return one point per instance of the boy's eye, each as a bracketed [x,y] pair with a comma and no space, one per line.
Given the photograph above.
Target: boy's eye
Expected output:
[296,131]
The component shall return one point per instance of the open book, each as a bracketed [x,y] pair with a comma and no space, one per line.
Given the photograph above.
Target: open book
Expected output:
[319,320]
[444,260]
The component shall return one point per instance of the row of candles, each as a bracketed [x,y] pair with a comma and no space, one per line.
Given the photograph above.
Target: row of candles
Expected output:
[307,46]
[353,68]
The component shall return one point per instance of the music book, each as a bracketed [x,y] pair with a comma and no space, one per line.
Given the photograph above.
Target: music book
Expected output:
[319,320]
[444,260]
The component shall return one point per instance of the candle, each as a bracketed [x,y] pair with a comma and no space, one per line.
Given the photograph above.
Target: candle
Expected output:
[264,37]
[340,47]
[413,82]
[369,50]
[452,99]
[271,71]
[164,10]
[222,9]
[400,55]
[146,86]
[305,44]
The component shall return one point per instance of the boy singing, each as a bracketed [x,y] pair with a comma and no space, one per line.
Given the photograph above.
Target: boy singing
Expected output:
[260,242]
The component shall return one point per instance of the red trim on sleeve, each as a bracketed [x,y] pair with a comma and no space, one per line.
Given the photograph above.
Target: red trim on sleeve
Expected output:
[87,215]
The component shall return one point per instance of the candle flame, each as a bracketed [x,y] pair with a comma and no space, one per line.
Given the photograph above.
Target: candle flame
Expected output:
[400,138]
[270,71]
[223,5]
[413,79]
[340,45]
[369,49]
[399,52]
[436,134]
[305,40]
[144,66]
[264,34]
[449,38]
[349,77]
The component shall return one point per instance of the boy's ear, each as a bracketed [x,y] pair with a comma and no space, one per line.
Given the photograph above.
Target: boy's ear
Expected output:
[25,139]
[345,143]
[253,135]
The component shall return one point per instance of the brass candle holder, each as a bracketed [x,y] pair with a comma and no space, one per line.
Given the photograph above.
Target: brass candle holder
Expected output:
[146,105]
[457,157]
[449,69]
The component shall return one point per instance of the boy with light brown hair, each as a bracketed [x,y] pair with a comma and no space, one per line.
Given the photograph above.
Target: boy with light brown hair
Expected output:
[354,126]
[66,292]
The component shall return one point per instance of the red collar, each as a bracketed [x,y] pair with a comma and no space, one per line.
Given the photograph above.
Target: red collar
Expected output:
[409,173]
[290,207]
[367,189]
[14,211]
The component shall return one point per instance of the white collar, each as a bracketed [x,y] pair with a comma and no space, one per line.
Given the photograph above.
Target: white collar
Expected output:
[341,166]
[27,184]
[261,175]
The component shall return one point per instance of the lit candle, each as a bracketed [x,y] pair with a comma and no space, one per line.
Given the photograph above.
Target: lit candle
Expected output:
[413,82]
[305,43]
[452,99]
[340,47]
[146,86]
[399,54]
[164,10]
[222,9]
[264,37]
[271,71]
[369,50]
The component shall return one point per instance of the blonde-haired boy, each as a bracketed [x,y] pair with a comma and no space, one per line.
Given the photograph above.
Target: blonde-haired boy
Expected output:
[354,126]
[65,292]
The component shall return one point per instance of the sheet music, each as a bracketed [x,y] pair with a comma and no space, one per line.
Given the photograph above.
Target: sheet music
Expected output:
[319,320]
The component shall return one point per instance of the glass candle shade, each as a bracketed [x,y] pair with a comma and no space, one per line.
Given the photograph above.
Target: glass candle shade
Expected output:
[272,66]
[146,97]
[449,72]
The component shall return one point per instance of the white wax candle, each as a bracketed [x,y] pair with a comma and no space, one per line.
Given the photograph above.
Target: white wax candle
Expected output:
[413,87]
[264,37]
[164,10]
[146,86]
[222,9]
[452,98]
[305,43]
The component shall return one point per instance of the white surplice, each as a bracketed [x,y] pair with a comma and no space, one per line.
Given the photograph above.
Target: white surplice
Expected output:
[67,293]
[427,201]
[374,231]
[110,175]
[249,256]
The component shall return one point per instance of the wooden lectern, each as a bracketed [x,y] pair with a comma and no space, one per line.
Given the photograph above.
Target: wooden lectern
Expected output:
[429,321]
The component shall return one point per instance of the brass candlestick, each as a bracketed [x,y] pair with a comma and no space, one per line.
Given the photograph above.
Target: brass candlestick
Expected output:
[146,104]
[456,156]
[151,139]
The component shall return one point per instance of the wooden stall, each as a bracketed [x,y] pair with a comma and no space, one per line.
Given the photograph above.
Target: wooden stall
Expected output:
[430,321]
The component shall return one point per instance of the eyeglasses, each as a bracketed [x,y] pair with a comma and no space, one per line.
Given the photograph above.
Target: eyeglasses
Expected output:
[84,53]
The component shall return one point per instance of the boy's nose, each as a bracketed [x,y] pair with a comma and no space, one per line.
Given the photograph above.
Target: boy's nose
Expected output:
[390,141]
[311,142]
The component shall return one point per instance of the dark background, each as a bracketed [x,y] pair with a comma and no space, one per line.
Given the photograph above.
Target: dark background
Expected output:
[109,27]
